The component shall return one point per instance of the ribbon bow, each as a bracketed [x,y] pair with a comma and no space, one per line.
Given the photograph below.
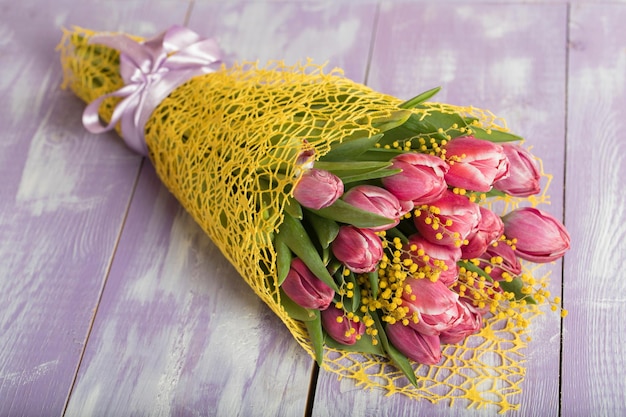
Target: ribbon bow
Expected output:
[151,70]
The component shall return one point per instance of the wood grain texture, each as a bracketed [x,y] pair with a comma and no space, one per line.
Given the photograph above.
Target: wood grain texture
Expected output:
[178,332]
[506,58]
[336,33]
[175,330]
[595,292]
[60,212]
[62,206]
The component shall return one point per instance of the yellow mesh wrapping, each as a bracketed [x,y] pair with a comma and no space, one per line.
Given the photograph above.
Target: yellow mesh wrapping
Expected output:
[226,144]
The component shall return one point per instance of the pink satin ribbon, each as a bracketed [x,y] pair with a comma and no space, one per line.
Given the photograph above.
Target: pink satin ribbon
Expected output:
[151,70]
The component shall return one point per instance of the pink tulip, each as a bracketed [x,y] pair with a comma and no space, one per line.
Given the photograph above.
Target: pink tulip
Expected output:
[490,228]
[540,237]
[437,255]
[318,189]
[470,321]
[340,327]
[510,263]
[434,304]
[414,345]
[524,174]
[375,200]
[305,289]
[475,164]
[359,249]
[421,180]
[462,214]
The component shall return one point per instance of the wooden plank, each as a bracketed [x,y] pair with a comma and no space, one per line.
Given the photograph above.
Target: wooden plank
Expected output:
[506,58]
[62,205]
[338,34]
[593,337]
[177,331]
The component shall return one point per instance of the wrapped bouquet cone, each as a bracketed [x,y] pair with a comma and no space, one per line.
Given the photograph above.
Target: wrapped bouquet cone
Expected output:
[362,221]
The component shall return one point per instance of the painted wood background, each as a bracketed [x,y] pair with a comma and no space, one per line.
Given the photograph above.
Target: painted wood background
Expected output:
[112,301]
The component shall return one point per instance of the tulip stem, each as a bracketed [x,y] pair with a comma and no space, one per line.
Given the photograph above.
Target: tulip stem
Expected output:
[401,361]
[314,327]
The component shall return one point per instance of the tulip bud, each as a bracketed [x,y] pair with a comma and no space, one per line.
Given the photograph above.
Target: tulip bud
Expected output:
[359,249]
[540,237]
[414,345]
[318,189]
[490,228]
[524,174]
[449,220]
[421,180]
[506,262]
[305,289]
[442,260]
[433,305]
[470,321]
[375,200]
[340,327]
[475,164]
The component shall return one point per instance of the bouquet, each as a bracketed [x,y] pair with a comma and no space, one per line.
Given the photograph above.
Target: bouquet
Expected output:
[396,240]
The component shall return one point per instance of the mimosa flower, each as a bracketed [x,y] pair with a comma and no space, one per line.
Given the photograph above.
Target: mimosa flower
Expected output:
[340,327]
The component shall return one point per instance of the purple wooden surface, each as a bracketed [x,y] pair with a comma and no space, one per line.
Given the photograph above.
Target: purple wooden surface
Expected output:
[176,332]
[506,58]
[594,358]
[336,33]
[63,199]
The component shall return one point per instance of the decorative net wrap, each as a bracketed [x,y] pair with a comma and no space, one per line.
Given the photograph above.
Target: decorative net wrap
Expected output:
[226,144]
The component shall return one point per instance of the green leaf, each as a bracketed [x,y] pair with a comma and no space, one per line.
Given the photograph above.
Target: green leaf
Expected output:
[350,148]
[380,154]
[370,175]
[373,279]
[343,212]
[325,229]
[294,310]
[401,361]
[283,258]
[394,232]
[314,327]
[363,345]
[428,125]
[351,167]
[397,118]
[352,304]
[296,238]
[494,135]
[516,287]
[293,208]
[420,98]
[355,171]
